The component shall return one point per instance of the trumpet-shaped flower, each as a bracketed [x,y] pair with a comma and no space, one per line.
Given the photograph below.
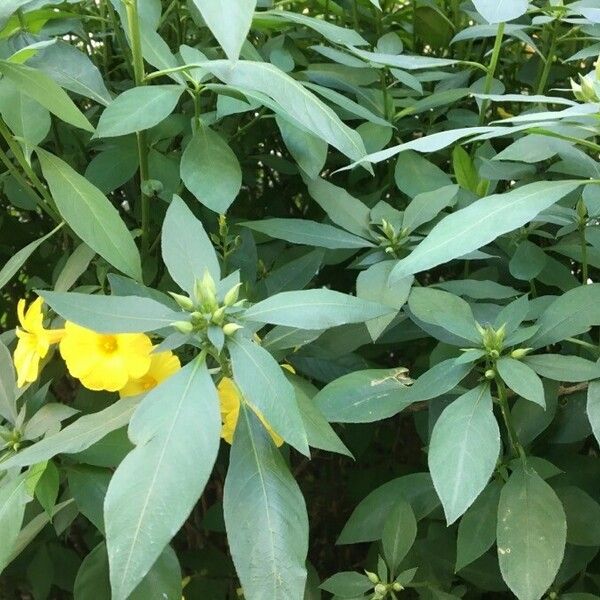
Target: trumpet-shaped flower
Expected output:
[34,341]
[105,361]
[231,398]
[162,366]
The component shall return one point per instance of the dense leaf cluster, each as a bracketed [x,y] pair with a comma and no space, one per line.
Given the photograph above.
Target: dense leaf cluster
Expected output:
[369,231]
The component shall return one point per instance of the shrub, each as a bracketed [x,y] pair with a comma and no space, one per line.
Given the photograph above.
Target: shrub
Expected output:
[280,268]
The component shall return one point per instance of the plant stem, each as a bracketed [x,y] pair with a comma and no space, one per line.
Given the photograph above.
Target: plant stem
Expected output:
[491,71]
[584,255]
[506,416]
[549,58]
[139,74]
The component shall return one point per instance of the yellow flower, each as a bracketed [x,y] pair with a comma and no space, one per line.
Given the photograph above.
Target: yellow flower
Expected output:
[34,341]
[162,366]
[230,398]
[105,361]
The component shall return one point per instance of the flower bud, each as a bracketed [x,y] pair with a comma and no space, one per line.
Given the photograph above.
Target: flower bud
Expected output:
[494,354]
[231,297]
[490,374]
[380,589]
[397,587]
[231,328]
[519,353]
[217,316]
[373,578]
[205,290]
[183,301]
[183,326]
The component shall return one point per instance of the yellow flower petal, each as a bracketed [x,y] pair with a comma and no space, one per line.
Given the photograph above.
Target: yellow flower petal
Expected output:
[105,362]
[162,366]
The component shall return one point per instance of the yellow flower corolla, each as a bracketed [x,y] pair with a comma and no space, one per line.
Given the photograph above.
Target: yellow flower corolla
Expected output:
[162,366]
[230,398]
[34,341]
[105,361]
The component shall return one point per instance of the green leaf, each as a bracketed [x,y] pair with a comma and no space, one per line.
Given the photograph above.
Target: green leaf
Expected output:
[527,262]
[73,70]
[464,169]
[319,432]
[15,262]
[42,89]
[372,285]
[91,216]
[13,498]
[186,247]
[479,223]
[309,151]
[8,390]
[210,170]
[502,11]
[347,584]
[583,516]
[531,534]
[461,466]
[477,528]
[83,433]
[138,109]
[309,233]
[265,516]
[342,208]
[75,266]
[522,380]
[444,310]
[365,396]
[563,368]
[314,309]
[415,175]
[88,485]
[267,391]
[368,519]
[111,314]
[46,490]
[427,205]
[399,533]
[570,314]
[92,581]
[294,99]
[593,407]
[232,31]
[176,430]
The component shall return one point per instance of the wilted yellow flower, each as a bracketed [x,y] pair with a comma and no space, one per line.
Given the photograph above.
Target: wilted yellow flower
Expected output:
[230,398]
[105,361]
[162,366]
[34,341]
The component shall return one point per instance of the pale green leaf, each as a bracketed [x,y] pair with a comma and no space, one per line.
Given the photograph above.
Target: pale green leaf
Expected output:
[176,430]
[8,392]
[461,465]
[521,379]
[399,533]
[265,516]
[501,11]
[91,216]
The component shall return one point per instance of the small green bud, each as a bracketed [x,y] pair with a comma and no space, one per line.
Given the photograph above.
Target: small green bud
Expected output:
[490,374]
[231,328]
[494,354]
[381,589]
[205,291]
[576,89]
[231,297]
[183,326]
[397,587]
[587,90]
[183,301]
[519,353]
[217,316]
[373,577]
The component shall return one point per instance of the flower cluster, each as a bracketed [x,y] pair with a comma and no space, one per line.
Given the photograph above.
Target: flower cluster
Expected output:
[122,362]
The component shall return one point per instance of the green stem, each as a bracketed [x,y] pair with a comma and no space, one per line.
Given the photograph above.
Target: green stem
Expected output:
[584,255]
[549,58]
[135,37]
[29,172]
[491,71]
[506,416]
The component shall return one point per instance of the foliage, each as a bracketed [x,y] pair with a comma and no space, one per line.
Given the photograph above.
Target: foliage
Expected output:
[298,299]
